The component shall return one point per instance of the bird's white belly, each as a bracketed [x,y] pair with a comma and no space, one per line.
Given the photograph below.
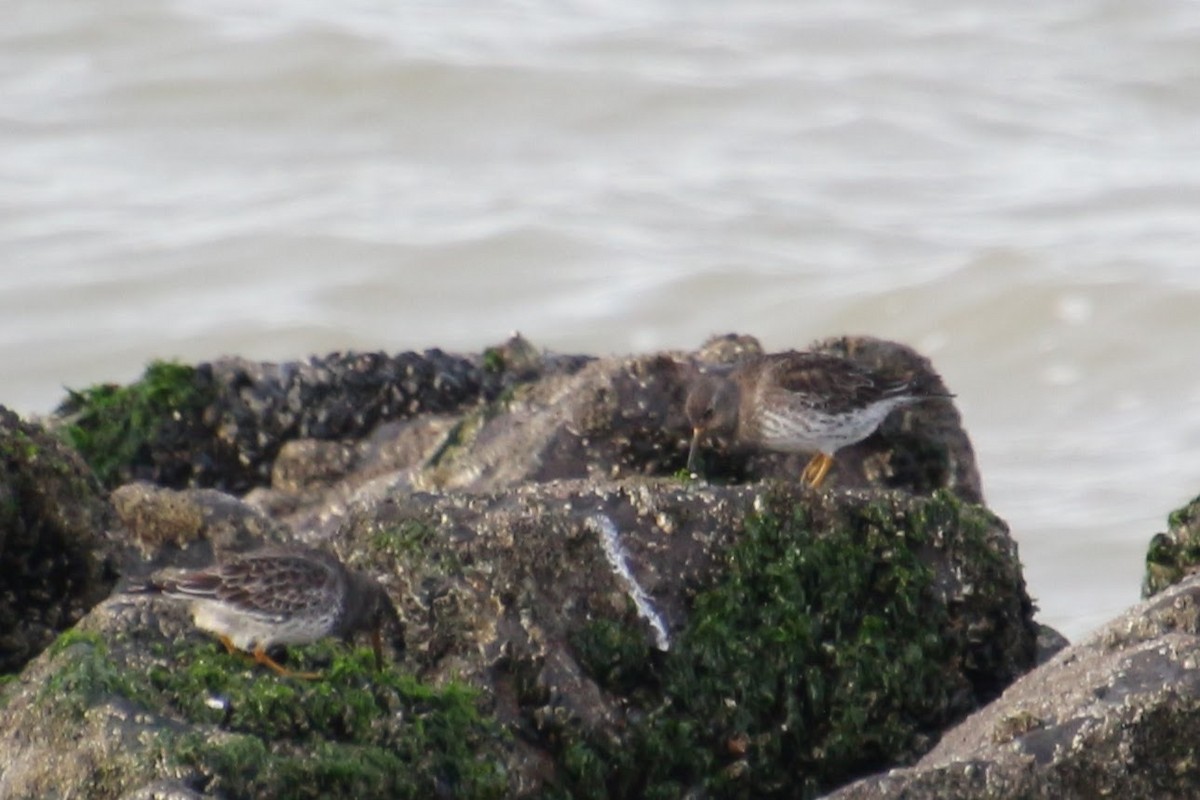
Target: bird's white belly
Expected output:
[248,631]
[817,431]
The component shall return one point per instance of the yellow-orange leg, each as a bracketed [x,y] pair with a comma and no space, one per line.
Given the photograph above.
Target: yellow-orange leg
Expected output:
[817,469]
[261,657]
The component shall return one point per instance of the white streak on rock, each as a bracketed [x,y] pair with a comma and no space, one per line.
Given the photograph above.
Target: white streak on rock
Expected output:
[611,542]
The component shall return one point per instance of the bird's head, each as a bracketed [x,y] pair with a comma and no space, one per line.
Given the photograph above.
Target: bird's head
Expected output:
[376,613]
[712,409]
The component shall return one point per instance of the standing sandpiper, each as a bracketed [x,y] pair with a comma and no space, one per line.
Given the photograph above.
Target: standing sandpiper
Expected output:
[797,403]
[281,595]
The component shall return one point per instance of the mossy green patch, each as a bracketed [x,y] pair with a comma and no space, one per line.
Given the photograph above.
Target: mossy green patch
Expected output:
[617,654]
[1175,554]
[6,683]
[684,476]
[115,428]
[408,538]
[1185,516]
[820,654]
[87,675]
[355,731]
[493,360]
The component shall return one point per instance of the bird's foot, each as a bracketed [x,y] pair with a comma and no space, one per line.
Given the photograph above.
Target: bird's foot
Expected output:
[261,657]
[818,467]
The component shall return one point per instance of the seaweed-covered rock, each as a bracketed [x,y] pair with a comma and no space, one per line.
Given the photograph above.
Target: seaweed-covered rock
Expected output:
[222,424]
[528,418]
[638,639]
[1175,554]
[156,429]
[132,699]
[655,638]
[581,619]
[55,562]
[1114,716]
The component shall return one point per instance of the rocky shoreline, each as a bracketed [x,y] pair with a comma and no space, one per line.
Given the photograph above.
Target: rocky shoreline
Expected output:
[583,618]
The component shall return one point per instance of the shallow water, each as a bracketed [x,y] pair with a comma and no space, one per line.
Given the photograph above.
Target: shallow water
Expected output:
[1015,191]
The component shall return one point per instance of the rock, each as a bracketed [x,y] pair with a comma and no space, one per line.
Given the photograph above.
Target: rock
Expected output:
[581,619]
[164,790]
[188,528]
[621,417]
[521,589]
[307,462]
[634,625]
[133,699]
[222,424]
[614,418]
[1049,643]
[1175,554]
[922,447]
[1113,716]
[54,558]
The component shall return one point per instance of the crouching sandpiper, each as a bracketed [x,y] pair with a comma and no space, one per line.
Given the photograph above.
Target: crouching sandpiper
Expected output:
[797,402]
[281,595]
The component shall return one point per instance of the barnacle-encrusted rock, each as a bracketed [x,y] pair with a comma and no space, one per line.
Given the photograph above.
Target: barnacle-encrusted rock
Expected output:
[625,630]
[223,424]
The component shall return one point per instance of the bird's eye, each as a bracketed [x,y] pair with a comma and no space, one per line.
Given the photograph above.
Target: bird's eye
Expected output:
[708,413]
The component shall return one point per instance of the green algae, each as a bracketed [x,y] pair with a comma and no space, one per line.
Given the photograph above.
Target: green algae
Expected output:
[1173,555]
[6,683]
[245,732]
[493,360]
[405,539]
[617,654]
[86,675]
[354,731]
[822,653]
[116,428]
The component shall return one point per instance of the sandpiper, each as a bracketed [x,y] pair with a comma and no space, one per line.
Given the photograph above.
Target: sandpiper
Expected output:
[281,595]
[797,402]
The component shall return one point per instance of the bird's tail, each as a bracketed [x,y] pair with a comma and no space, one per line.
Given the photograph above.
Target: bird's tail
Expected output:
[174,583]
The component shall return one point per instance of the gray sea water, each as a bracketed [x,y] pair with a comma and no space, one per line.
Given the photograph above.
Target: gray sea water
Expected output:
[1012,188]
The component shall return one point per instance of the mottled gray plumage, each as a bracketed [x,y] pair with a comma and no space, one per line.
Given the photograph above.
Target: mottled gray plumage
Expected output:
[796,402]
[281,595]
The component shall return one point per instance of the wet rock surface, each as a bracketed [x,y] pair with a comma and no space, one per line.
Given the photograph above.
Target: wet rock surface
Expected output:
[1114,716]
[55,560]
[581,619]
